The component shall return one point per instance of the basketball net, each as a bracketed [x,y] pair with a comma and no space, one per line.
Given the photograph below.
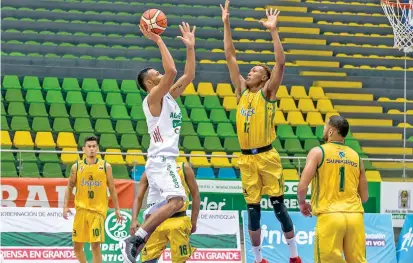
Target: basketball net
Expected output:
[400,16]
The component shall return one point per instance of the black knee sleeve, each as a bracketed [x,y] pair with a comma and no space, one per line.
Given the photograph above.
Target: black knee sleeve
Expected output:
[254,216]
[282,214]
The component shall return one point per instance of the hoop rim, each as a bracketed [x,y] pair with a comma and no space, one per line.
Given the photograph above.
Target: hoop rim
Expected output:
[396,3]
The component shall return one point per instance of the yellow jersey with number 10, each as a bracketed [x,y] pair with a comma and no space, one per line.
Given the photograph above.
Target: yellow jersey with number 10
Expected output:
[91,187]
[335,185]
[181,171]
[255,120]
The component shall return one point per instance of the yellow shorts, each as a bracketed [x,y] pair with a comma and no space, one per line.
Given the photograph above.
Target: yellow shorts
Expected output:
[88,227]
[176,231]
[261,174]
[338,233]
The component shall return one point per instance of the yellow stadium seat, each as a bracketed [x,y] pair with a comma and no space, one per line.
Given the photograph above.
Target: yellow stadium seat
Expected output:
[377,136]
[323,73]
[325,105]
[199,161]
[391,165]
[402,125]
[205,89]
[69,158]
[296,118]
[44,140]
[23,139]
[312,63]
[234,160]
[298,92]
[218,162]
[316,93]
[181,159]
[387,150]
[224,89]
[217,50]
[394,111]
[282,92]
[350,96]
[279,118]
[206,61]
[315,119]
[135,159]
[369,122]
[304,41]
[65,140]
[356,109]
[287,104]
[230,103]
[290,175]
[114,159]
[5,139]
[384,99]
[409,112]
[306,105]
[190,90]
[338,84]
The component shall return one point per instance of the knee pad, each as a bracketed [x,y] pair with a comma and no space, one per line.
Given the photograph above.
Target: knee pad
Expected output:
[254,216]
[281,213]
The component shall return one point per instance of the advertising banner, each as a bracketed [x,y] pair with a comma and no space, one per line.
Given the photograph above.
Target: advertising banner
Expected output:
[42,192]
[379,238]
[405,243]
[397,200]
[41,234]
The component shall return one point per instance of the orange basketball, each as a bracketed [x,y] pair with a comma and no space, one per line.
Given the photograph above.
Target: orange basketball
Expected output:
[155,19]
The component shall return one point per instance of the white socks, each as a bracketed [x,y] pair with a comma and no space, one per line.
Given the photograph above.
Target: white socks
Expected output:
[141,233]
[293,247]
[257,253]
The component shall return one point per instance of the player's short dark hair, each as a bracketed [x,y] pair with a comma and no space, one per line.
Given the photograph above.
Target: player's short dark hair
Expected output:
[341,124]
[266,68]
[141,78]
[92,138]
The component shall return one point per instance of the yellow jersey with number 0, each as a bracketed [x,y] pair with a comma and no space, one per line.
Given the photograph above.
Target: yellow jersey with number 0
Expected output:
[91,187]
[255,120]
[335,185]
[181,171]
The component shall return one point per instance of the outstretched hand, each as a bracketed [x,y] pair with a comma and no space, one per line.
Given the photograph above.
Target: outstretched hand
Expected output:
[272,19]
[188,36]
[225,11]
[149,34]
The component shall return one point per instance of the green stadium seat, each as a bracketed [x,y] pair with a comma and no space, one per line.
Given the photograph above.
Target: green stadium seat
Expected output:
[129,141]
[185,117]
[30,170]
[355,145]
[94,98]
[62,125]
[233,116]
[212,102]
[104,126]
[199,115]
[19,123]
[218,115]
[99,112]
[368,165]
[70,84]
[110,85]
[41,124]
[213,144]
[26,157]
[17,109]
[300,164]
[14,95]
[286,163]
[8,169]
[114,99]
[285,131]
[4,124]
[120,172]
[133,99]
[82,137]
[119,112]
[225,130]
[55,97]
[48,157]
[124,127]
[187,129]
[3,110]
[51,83]
[137,113]
[310,144]
[83,125]
[319,131]
[231,144]
[108,141]
[38,110]
[304,132]
[192,143]
[145,142]
[277,145]
[206,129]
[7,156]
[58,111]
[141,127]
[79,111]
[31,82]
[33,96]
[129,86]
[52,170]
[89,84]
[193,101]
[293,146]
[74,97]
[11,82]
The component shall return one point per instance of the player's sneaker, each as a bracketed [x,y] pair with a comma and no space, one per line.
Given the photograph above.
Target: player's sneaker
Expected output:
[262,261]
[295,260]
[130,248]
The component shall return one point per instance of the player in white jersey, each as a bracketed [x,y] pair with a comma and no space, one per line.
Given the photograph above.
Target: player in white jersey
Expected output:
[163,117]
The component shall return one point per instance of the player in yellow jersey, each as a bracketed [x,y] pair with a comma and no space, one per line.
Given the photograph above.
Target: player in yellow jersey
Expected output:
[260,163]
[338,188]
[91,177]
[175,230]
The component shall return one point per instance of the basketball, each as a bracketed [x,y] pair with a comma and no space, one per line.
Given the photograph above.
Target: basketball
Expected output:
[155,19]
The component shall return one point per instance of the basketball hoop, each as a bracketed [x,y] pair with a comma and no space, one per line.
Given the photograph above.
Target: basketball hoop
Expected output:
[400,16]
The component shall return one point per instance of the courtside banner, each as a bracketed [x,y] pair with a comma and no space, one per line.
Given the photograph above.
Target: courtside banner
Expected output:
[379,238]
[397,201]
[42,192]
[405,244]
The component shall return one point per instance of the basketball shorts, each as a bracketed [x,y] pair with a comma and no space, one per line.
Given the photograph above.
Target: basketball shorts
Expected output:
[338,233]
[88,227]
[163,179]
[261,174]
[176,231]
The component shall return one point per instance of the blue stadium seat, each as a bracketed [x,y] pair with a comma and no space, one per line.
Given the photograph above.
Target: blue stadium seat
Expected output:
[137,172]
[227,173]
[205,173]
